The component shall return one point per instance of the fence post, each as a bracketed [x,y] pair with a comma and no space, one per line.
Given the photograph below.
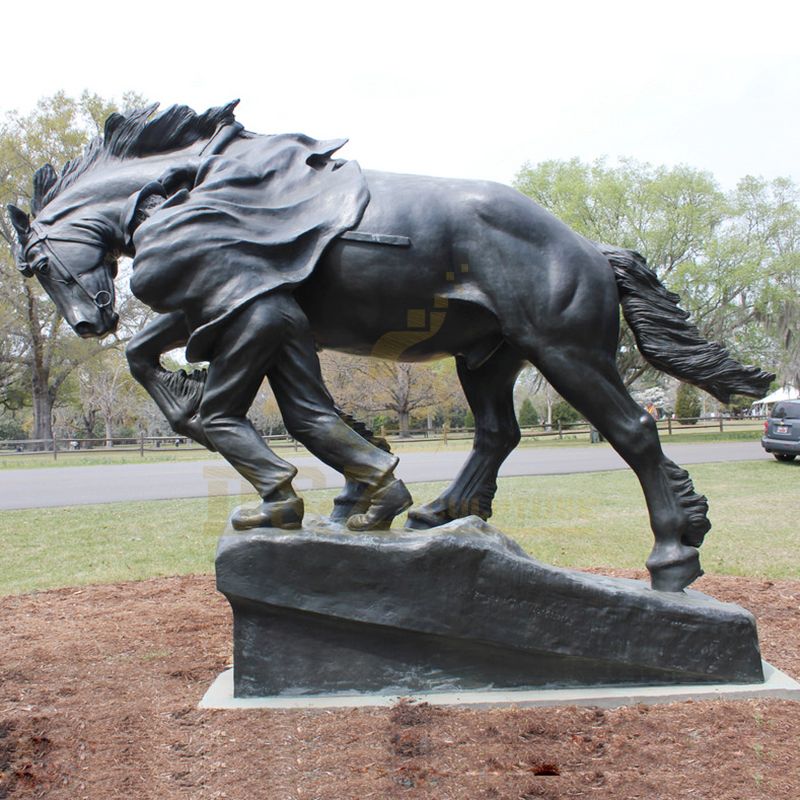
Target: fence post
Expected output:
[559,430]
[721,424]
[669,426]
[55,448]
[141,443]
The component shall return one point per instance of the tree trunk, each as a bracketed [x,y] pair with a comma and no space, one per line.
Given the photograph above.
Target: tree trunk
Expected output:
[89,419]
[40,374]
[548,399]
[42,411]
[403,418]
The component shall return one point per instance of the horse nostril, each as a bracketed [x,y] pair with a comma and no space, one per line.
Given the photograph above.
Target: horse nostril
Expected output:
[84,330]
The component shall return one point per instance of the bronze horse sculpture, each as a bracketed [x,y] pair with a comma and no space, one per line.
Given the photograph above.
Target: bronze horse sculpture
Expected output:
[255,250]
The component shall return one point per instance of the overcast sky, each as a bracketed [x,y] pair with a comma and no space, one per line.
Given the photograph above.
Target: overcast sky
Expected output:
[446,88]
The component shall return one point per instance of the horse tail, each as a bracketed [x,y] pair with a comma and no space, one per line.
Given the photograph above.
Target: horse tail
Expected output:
[671,343]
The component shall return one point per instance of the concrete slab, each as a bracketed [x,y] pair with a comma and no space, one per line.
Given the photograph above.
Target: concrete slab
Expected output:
[776,685]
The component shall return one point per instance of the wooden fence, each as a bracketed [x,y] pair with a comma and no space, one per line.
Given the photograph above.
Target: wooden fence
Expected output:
[158,444]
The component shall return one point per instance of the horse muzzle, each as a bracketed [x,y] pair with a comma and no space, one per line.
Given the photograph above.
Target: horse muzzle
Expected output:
[94,330]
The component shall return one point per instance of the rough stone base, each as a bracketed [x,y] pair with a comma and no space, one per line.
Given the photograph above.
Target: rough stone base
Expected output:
[463,607]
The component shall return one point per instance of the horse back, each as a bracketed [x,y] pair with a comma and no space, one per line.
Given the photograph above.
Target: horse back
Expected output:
[479,254]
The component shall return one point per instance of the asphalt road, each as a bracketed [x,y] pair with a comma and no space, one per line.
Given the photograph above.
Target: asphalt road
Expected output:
[68,486]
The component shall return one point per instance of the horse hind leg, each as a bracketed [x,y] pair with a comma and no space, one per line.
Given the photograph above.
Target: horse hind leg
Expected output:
[489,390]
[588,379]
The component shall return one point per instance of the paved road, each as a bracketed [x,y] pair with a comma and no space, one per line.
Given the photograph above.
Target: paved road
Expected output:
[63,486]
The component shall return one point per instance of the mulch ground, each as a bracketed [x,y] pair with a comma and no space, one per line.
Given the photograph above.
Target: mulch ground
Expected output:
[100,687]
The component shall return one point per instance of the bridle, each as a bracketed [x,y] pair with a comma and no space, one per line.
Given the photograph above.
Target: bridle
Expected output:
[102,299]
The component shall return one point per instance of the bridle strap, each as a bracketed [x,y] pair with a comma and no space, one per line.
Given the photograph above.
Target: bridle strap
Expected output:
[101,299]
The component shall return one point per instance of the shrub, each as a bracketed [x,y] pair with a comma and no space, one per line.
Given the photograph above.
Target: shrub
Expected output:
[687,403]
[564,413]
[527,414]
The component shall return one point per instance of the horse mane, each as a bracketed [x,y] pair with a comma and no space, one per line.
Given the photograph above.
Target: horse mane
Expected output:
[134,135]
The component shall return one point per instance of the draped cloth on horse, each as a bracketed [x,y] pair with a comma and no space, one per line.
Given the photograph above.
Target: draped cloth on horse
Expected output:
[255,221]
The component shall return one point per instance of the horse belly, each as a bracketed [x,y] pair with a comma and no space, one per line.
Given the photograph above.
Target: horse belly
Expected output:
[370,299]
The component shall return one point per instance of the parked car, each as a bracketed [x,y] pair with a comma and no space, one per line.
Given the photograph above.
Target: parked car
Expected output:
[782,431]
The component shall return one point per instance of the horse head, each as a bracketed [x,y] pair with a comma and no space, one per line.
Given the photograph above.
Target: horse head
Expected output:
[74,264]
[82,218]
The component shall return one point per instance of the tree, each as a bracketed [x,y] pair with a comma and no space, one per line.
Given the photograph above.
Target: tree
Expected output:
[365,387]
[732,258]
[564,413]
[398,387]
[667,214]
[527,414]
[265,414]
[766,230]
[101,399]
[687,403]
[38,352]
[108,392]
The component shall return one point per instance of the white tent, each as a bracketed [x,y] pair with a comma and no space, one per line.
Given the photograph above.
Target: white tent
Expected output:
[784,393]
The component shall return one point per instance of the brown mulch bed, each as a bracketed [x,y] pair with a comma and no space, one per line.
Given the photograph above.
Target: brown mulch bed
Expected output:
[100,687]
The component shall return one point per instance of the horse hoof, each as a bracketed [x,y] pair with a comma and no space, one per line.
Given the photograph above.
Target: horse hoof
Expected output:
[675,576]
[385,505]
[286,514]
[419,519]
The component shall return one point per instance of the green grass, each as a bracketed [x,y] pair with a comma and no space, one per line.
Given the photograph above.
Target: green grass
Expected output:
[593,519]
[121,455]
[692,437]
[87,458]
[600,519]
[50,547]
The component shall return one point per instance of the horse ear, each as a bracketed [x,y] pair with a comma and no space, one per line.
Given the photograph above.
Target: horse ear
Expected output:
[21,222]
[22,225]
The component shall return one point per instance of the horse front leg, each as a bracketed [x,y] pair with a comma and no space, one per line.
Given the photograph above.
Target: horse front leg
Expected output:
[177,394]
[490,393]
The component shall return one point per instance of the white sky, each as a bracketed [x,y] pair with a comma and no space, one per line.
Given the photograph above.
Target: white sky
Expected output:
[447,88]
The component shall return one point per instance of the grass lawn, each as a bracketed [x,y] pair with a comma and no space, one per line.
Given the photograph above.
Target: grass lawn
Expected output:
[594,519]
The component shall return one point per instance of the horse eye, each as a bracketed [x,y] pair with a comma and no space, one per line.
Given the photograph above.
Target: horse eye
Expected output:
[41,265]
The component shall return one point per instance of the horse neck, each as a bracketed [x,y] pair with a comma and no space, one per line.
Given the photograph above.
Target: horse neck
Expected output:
[102,193]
